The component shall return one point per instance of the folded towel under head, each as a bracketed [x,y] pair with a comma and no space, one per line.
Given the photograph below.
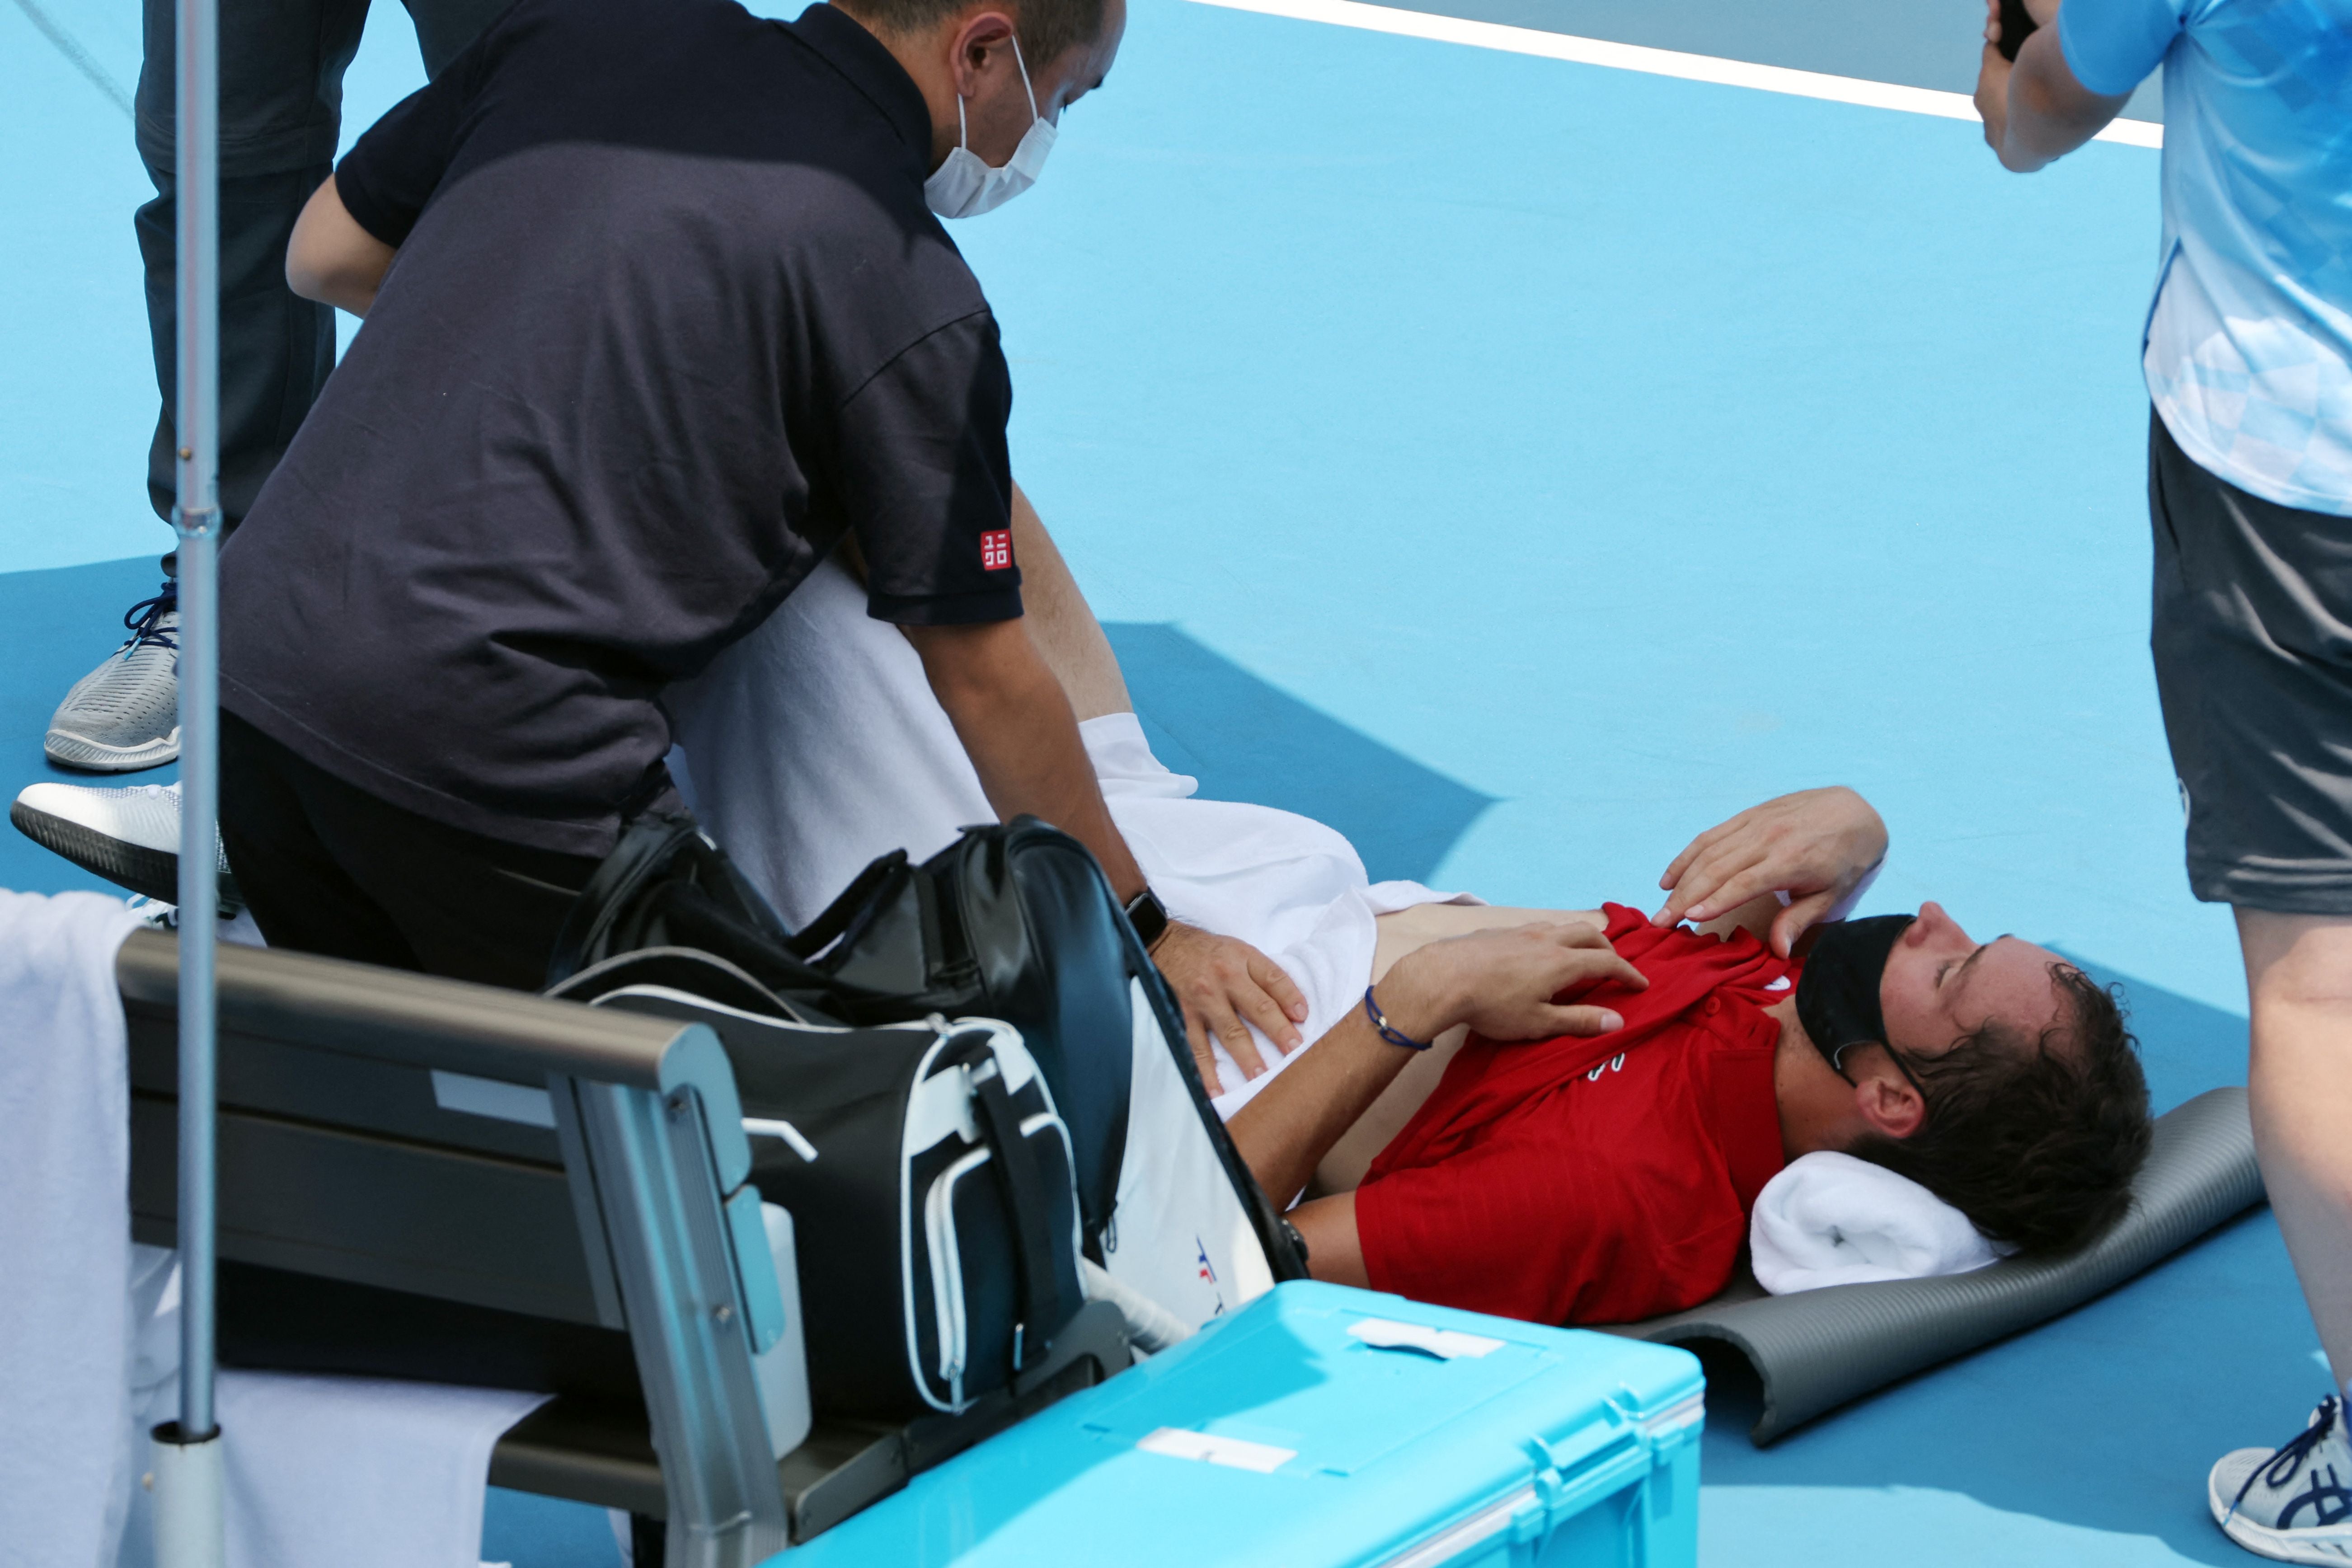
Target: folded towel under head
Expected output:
[1832,1219]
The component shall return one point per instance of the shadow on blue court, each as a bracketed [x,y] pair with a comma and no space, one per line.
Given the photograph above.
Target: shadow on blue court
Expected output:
[1242,737]
[1246,739]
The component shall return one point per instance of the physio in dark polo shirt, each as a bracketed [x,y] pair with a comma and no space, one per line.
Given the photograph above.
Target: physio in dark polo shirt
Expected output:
[658,311]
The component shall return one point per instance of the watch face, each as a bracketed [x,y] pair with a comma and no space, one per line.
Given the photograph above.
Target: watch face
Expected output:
[1148,916]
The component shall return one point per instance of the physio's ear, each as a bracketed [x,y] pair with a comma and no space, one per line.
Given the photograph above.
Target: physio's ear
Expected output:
[1883,1097]
[980,40]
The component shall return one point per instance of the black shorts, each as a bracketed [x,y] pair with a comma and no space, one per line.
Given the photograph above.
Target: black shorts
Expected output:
[2252,639]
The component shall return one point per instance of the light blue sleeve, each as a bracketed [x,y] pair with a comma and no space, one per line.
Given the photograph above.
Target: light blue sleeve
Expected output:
[2112,44]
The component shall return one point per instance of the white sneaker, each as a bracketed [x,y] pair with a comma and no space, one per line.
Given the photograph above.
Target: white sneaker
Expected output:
[2293,1503]
[125,714]
[130,837]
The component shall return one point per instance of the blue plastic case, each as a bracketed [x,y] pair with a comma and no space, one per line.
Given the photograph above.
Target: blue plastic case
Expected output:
[1326,1427]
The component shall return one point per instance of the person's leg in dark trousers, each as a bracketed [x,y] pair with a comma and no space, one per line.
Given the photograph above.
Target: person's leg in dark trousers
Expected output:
[327,867]
[281,87]
[281,80]
[444,27]
[300,898]
[280,91]
[281,99]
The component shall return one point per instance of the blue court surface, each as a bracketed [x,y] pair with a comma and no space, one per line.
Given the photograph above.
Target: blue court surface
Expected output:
[1522,465]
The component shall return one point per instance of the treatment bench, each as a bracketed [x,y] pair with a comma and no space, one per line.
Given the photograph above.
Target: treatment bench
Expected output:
[426,1177]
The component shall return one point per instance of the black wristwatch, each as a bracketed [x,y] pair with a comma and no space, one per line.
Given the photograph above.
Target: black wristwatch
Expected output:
[1148,916]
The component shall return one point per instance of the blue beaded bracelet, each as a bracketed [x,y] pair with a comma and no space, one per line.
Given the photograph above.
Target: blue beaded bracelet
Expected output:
[1387,1030]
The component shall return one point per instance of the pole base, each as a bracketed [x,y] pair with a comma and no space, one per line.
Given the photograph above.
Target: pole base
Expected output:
[189,1532]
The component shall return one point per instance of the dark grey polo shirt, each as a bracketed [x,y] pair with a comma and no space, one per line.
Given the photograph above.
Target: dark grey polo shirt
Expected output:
[668,317]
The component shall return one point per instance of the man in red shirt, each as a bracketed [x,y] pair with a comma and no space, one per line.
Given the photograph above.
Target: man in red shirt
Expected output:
[1601,1168]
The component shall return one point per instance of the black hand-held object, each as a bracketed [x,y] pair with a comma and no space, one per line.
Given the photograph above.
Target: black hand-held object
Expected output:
[2016,25]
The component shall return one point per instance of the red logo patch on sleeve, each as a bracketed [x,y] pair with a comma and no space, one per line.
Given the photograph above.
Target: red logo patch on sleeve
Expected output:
[996,549]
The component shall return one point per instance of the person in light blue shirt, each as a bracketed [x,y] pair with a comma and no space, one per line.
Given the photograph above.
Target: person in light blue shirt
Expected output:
[2249,344]
[2248,356]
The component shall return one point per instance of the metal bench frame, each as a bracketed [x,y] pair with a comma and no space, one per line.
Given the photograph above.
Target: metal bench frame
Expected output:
[650,1151]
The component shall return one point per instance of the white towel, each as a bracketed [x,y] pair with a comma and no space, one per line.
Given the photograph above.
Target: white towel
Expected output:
[1832,1219]
[65,1244]
[814,744]
[1285,884]
[358,1473]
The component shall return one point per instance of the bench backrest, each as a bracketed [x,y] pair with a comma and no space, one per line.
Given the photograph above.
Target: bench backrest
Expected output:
[497,1149]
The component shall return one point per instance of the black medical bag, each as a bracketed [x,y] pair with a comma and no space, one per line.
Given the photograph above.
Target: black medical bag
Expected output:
[1014,922]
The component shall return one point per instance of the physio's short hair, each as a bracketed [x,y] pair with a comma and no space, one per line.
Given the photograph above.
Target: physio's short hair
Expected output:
[2035,1138]
[1047,28]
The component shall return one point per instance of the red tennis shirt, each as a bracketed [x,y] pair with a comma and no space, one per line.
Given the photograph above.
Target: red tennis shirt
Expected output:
[1601,1179]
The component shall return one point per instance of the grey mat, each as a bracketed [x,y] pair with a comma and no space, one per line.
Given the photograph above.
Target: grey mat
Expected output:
[1817,1348]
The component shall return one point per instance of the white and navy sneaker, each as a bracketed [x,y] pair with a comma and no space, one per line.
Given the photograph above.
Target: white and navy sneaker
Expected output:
[130,837]
[125,714]
[2293,1503]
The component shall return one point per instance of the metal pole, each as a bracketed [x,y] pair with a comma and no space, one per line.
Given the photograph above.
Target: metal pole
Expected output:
[197,518]
[188,1458]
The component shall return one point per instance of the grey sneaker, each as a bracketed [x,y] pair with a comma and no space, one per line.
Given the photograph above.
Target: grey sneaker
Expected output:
[2293,1503]
[125,714]
[130,837]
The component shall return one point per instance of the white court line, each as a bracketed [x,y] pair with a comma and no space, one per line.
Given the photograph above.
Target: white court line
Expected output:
[1655,62]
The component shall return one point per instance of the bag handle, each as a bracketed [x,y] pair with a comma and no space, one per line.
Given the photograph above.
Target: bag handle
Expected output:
[845,910]
[647,847]
[1026,1197]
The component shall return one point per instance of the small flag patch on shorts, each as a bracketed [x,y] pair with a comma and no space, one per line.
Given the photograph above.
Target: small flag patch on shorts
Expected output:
[996,549]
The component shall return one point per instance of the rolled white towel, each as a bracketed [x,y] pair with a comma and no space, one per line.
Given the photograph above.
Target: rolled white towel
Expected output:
[1832,1219]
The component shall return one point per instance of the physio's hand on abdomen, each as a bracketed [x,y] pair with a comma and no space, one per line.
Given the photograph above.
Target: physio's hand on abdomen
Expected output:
[1224,986]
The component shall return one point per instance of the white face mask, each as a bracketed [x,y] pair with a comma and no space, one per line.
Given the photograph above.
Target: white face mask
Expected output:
[964,187]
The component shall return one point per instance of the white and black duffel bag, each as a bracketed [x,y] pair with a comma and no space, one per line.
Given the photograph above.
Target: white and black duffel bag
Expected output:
[1015,922]
[928,1174]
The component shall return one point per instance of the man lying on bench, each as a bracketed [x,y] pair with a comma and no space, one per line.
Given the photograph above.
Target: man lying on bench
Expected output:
[1568,1122]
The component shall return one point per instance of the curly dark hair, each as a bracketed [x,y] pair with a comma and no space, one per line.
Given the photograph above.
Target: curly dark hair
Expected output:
[2035,1139]
[1045,27]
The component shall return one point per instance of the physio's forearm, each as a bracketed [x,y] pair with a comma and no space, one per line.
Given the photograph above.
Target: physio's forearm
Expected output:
[1016,727]
[1062,624]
